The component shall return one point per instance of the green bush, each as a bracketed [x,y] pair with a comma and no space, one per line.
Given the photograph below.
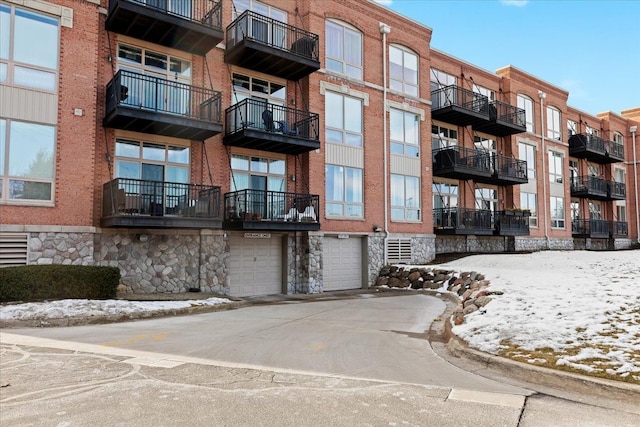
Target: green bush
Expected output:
[49,282]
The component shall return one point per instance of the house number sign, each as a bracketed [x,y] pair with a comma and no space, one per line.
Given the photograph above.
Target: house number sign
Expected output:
[257,235]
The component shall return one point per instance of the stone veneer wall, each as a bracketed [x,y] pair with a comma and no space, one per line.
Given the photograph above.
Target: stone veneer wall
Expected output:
[423,249]
[61,248]
[375,253]
[169,263]
[304,264]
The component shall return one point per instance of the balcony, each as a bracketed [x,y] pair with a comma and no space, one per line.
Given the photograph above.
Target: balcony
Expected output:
[271,210]
[595,188]
[193,26]
[595,149]
[272,47]
[479,166]
[136,203]
[511,223]
[158,106]
[504,120]
[463,221]
[459,106]
[599,228]
[259,125]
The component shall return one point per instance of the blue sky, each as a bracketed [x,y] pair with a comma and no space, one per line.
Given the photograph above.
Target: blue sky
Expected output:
[587,47]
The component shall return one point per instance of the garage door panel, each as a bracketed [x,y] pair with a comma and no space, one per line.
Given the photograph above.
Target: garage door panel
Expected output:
[342,260]
[256,266]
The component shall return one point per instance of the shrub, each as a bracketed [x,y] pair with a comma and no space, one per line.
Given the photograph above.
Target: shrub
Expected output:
[46,282]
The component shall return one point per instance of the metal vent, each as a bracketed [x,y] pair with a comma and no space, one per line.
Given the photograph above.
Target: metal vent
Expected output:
[399,251]
[14,249]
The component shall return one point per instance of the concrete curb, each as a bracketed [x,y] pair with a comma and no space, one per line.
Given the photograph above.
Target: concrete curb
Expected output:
[115,318]
[539,375]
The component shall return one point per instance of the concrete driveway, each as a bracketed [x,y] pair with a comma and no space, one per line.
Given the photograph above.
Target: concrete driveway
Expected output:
[360,361]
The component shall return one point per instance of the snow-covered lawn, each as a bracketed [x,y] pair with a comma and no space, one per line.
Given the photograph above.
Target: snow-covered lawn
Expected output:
[90,308]
[574,310]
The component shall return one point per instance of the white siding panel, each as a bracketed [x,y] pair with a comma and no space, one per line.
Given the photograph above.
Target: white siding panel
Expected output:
[405,165]
[344,155]
[28,104]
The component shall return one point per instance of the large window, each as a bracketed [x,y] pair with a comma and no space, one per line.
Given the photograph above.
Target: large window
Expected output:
[526,104]
[443,137]
[572,128]
[618,138]
[529,201]
[405,198]
[343,49]
[553,123]
[445,195]
[258,173]
[405,136]
[557,212]
[441,79]
[555,167]
[344,192]
[487,198]
[26,160]
[343,115]
[151,161]
[595,210]
[164,87]
[528,153]
[403,70]
[28,48]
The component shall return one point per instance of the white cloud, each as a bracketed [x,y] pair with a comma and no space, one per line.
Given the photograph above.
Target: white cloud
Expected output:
[517,3]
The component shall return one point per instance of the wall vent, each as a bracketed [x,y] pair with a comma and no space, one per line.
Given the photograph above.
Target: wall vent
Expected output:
[14,249]
[399,251]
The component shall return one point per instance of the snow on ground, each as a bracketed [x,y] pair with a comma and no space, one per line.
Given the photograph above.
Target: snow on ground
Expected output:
[83,307]
[580,307]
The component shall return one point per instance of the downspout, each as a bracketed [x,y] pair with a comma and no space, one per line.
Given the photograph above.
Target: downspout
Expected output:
[633,130]
[385,29]
[545,178]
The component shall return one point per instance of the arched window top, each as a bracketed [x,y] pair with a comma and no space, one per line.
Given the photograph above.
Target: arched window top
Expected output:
[343,49]
[403,70]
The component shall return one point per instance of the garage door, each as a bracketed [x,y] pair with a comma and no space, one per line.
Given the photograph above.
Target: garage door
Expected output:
[256,266]
[342,263]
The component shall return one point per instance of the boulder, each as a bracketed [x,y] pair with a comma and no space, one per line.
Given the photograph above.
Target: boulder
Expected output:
[470,309]
[415,275]
[382,281]
[482,301]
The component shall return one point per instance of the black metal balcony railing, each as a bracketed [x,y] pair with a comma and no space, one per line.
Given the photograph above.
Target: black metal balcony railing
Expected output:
[265,44]
[479,165]
[617,190]
[154,105]
[260,209]
[504,119]
[597,188]
[191,25]
[599,228]
[131,202]
[462,221]
[460,106]
[255,123]
[592,147]
[512,223]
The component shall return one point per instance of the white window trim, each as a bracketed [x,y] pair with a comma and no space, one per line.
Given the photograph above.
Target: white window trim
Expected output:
[345,90]
[64,13]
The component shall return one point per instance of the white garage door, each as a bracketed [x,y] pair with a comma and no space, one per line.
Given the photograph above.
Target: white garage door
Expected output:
[256,266]
[342,263]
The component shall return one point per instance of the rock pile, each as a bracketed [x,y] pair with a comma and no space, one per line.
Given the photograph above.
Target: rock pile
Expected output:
[471,287]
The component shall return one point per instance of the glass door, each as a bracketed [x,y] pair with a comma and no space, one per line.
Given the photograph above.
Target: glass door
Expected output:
[152,189]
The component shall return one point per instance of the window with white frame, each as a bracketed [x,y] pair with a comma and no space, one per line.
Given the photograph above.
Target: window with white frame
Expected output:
[557,212]
[27,161]
[621,213]
[487,199]
[574,169]
[258,173]
[164,86]
[151,161]
[572,128]
[553,123]
[443,137]
[29,48]
[591,131]
[405,129]
[528,201]
[264,9]
[491,95]
[440,79]
[594,169]
[618,138]
[343,119]
[445,195]
[575,210]
[343,192]
[527,152]
[258,28]
[595,210]
[405,198]
[620,175]
[555,167]
[403,70]
[343,49]
[526,104]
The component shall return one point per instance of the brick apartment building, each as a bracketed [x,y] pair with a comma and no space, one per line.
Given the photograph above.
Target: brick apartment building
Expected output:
[285,146]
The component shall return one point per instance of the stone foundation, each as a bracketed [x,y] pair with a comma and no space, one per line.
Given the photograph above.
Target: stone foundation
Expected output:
[304,269]
[61,248]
